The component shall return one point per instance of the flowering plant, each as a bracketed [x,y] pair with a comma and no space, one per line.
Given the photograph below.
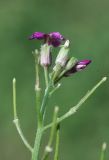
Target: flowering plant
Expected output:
[64,66]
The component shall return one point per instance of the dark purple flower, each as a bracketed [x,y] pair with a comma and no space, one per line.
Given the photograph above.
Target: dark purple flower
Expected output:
[80,65]
[54,38]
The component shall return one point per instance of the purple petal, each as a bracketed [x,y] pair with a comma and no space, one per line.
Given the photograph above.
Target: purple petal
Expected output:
[55,39]
[80,65]
[55,43]
[37,35]
[56,36]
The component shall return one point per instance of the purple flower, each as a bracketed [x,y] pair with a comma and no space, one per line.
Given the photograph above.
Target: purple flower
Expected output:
[80,65]
[54,38]
[37,35]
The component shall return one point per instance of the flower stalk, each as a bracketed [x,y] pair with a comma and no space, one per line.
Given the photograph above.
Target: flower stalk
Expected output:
[46,75]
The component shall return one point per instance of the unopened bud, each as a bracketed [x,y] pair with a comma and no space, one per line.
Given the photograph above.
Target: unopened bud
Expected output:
[62,57]
[79,66]
[67,43]
[56,71]
[71,63]
[45,55]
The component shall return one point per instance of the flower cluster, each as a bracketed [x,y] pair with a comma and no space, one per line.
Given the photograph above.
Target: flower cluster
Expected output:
[64,65]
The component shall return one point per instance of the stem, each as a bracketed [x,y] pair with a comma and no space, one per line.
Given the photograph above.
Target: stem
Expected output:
[55,89]
[37,87]
[14,98]
[103,151]
[46,75]
[75,108]
[56,155]
[36,56]
[48,148]
[16,120]
[37,143]
[17,124]
[40,126]
[39,133]
[44,102]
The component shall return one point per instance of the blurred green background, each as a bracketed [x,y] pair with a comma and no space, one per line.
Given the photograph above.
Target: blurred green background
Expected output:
[86,24]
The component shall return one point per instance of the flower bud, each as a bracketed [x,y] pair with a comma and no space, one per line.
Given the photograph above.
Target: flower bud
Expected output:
[80,65]
[71,63]
[61,61]
[45,55]
[62,57]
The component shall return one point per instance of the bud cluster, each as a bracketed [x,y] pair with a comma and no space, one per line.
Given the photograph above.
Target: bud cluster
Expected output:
[64,65]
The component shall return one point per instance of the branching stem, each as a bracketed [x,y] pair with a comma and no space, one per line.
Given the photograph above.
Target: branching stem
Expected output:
[75,108]
[16,120]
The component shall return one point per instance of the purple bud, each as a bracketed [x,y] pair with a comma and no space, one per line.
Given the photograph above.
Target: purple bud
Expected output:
[80,65]
[37,35]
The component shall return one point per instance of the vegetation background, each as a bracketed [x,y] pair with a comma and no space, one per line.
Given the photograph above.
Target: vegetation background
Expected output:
[86,24]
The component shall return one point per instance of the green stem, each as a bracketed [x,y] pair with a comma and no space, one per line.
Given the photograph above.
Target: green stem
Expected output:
[75,108]
[37,87]
[38,95]
[39,133]
[17,124]
[103,151]
[46,75]
[14,98]
[45,99]
[48,148]
[54,89]
[16,120]
[37,143]
[56,155]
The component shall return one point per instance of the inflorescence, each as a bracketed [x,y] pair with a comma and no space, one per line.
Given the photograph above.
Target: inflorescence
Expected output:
[64,64]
